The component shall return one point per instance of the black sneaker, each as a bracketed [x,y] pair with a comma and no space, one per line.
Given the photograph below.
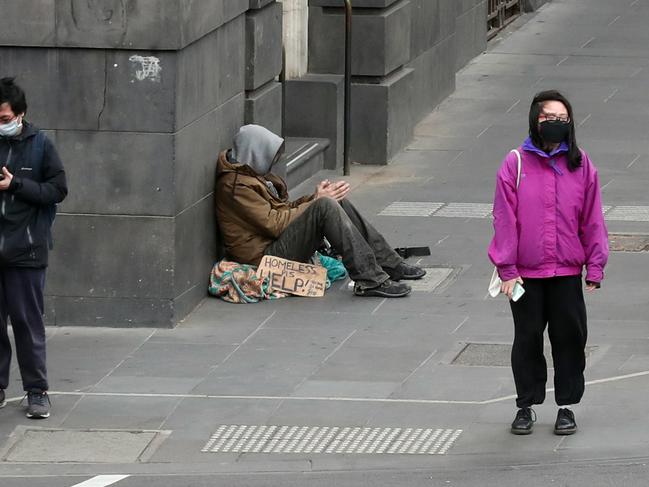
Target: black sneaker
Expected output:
[388,289]
[3,403]
[523,424]
[38,405]
[405,271]
[565,424]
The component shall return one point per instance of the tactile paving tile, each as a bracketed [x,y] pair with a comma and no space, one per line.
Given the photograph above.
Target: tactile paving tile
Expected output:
[331,440]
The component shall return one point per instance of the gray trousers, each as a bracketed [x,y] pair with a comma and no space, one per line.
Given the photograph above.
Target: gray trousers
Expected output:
[364,250]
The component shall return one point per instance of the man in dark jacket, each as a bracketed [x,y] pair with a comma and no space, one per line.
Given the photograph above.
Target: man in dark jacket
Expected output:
[256,218]
[32,181]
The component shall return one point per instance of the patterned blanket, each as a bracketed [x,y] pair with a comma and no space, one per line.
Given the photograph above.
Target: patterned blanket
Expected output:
[238,283]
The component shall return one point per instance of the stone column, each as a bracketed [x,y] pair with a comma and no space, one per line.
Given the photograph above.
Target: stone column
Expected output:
[296,29]
[264,64]
[139,96]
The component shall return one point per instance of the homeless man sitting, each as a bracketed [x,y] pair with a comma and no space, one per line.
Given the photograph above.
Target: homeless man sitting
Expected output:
[256,218]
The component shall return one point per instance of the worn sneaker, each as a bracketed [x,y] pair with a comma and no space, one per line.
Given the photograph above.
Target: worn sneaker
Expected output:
[565,424]
[38,405]
[523,424]
[405,271]
[3,403]
[388,289]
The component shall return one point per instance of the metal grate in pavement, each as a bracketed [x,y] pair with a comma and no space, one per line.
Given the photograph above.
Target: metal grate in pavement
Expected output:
[466,210]
[629,214]
[411,208]
[81,446]
[434,277]
[619,242]
[331,440]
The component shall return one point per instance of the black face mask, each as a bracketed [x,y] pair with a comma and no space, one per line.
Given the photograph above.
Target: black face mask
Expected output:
[554,131]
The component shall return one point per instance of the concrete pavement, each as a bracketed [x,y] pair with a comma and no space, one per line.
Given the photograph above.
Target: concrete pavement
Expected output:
[386,367]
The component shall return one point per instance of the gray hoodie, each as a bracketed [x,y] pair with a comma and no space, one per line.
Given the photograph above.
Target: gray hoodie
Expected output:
[256,147]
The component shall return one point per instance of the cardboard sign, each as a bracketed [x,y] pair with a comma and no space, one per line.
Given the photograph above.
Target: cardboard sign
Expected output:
[292,277]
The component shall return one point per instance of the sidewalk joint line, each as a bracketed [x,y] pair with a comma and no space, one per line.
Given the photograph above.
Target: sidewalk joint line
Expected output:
[460,325]
[338,347]
[483,132]
[614,20]
[606,185]
[586,118]
[615,91]
[563,60]
[119,364]
[456,158]
[422,364]
[587,42]
[378,306]
[331,354]
[633,161]
[513,106]
[626,361]
[441,241]
[245,340]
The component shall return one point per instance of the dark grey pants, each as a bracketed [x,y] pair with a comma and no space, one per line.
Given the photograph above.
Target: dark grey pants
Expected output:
[21,299]
[364,250]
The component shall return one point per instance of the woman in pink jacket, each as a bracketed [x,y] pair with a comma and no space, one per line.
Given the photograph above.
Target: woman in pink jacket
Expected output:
[546,231]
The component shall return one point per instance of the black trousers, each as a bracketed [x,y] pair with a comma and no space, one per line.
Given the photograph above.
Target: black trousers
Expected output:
[364,250]
[557,302]
[21,299]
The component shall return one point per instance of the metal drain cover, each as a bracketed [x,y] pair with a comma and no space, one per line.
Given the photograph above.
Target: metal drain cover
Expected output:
[435,276]
[330,440]
[77,446]
[619,242]
[495,355]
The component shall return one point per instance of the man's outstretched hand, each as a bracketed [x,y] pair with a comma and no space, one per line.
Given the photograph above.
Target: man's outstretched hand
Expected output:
[337,190]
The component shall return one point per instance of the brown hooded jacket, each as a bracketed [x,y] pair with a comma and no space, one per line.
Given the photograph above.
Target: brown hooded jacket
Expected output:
[249,215]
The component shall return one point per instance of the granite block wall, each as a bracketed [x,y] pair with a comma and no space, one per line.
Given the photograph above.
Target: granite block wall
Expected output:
[417,44]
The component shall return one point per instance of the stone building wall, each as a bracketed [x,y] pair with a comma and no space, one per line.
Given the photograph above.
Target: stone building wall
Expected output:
[139,97]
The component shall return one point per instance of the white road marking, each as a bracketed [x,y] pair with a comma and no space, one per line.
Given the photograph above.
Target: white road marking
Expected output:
[332,398]
[101,481]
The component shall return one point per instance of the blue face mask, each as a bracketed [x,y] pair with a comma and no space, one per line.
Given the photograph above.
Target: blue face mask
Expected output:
[11,129]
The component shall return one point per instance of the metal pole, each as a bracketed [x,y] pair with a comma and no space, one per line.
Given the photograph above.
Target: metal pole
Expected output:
[282,79]
[348,85]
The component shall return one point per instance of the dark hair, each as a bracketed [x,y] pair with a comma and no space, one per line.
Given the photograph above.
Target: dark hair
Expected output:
[574,154]
[12,94]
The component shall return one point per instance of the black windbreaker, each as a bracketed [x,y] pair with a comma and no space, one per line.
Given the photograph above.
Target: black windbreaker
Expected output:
[26,207]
